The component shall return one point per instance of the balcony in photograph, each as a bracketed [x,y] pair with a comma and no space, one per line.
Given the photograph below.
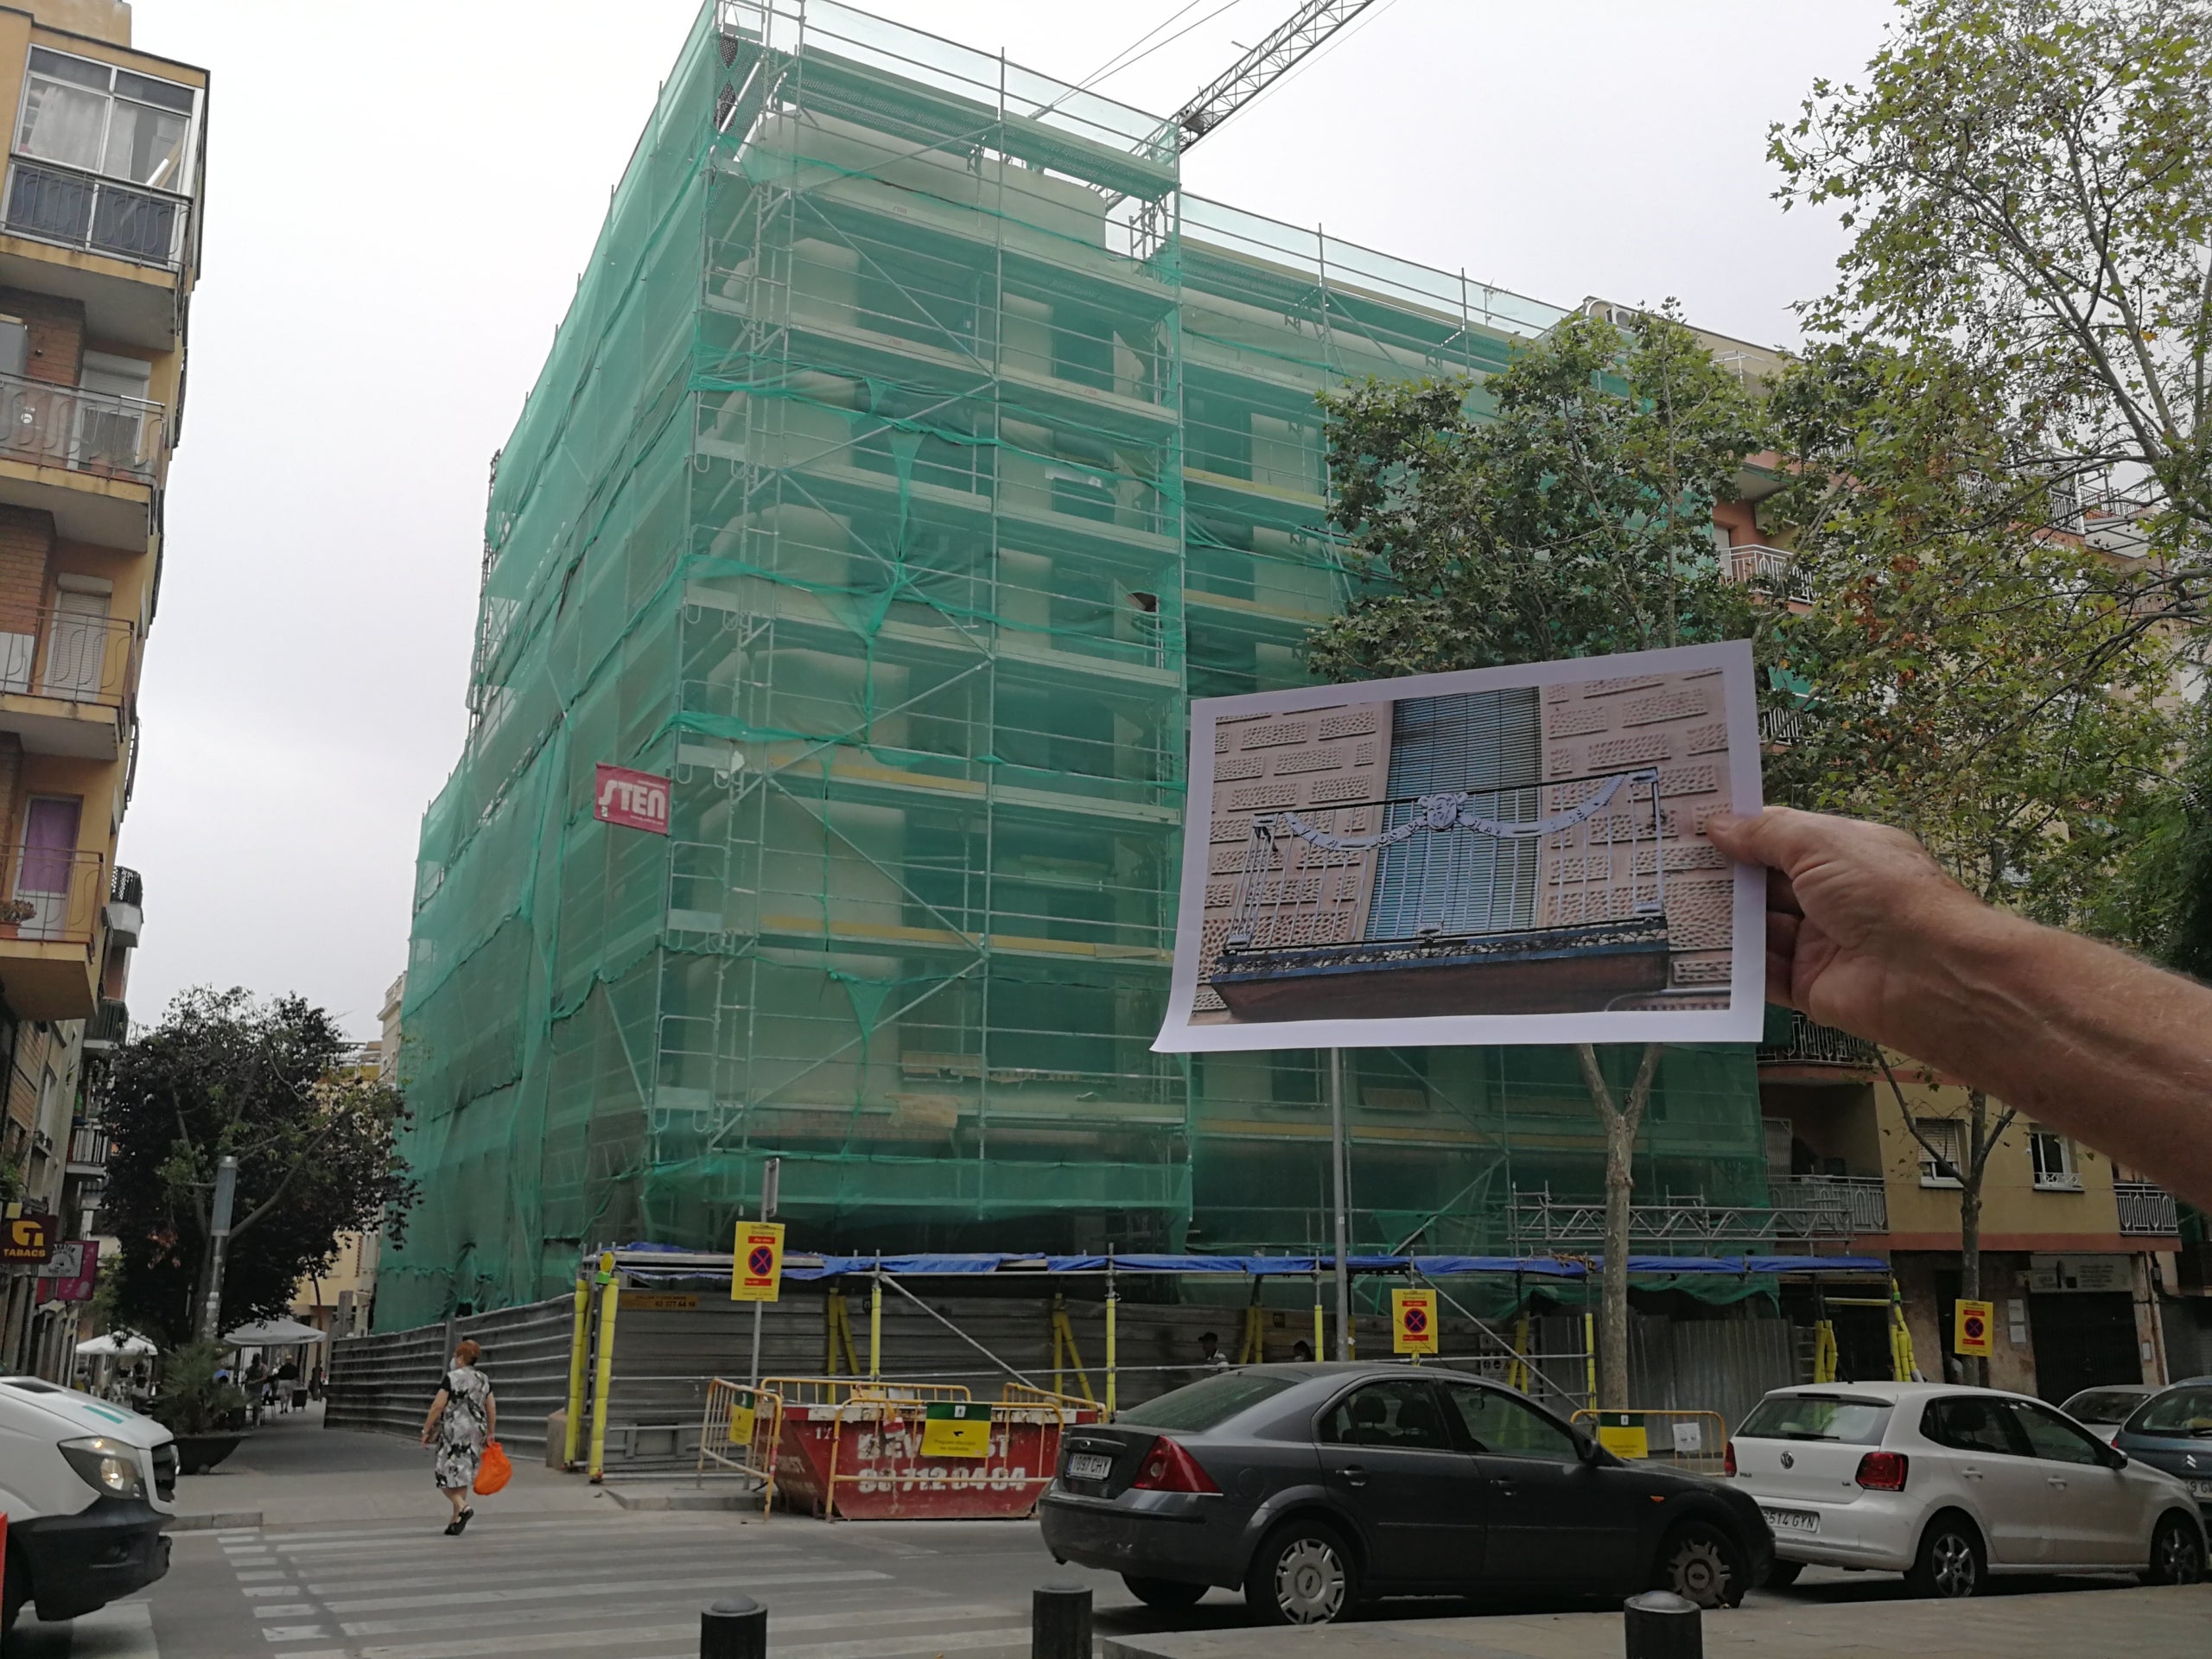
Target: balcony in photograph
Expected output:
[2146,1210]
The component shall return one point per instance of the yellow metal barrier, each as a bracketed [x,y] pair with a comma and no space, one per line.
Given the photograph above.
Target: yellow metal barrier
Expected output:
[610,1295]
[1065,1353]
[742,1430]
[1695,1442]
[579,1358]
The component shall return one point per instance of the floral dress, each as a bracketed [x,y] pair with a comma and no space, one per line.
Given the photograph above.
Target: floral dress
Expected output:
[464,1429]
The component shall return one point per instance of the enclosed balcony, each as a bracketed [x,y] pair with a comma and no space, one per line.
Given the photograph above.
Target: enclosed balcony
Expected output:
[68,675]
[88,1148]
[49,924]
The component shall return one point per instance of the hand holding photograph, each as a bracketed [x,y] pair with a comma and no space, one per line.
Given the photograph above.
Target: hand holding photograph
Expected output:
[1500,856]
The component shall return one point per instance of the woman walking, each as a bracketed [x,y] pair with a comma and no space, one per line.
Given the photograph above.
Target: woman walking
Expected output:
[465,1416]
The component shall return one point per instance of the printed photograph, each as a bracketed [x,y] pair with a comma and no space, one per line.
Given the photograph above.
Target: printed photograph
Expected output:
[1501,845]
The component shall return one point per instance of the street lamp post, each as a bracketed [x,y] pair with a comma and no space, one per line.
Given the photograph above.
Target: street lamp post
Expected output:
[227,1188]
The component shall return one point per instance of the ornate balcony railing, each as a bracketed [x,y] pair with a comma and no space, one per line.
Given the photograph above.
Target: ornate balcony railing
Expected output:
[1810,1044]
[103,433]
[54,895]
[1859,1200]
[101,215]
[2146,1210]
[1771,570]
[126,887]
[71,655]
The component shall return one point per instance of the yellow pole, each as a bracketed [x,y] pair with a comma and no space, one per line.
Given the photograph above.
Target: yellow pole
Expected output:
[579,1351]
[1060,1306]
[610,1294]
[832,1309]
[875,1324]
[1111,1300]
[1590,1355]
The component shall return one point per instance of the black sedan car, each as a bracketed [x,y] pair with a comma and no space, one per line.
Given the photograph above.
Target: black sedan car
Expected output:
[1315,1487]
[2173,1431]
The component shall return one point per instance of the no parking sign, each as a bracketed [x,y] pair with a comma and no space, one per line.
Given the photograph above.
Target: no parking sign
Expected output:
[1413,1321]
[1972,1323]
[757,1275]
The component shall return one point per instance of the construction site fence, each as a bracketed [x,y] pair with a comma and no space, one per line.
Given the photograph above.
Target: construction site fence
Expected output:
[384,1383]
[1695,1442]
[741,1434]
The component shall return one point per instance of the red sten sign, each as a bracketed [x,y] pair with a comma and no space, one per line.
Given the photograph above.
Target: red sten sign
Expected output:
[637,800]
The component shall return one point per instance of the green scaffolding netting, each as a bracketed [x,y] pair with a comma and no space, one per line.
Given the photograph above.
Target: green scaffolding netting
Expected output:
[914,449]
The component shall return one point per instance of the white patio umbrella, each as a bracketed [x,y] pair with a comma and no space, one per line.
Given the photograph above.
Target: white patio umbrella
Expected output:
[114,1344]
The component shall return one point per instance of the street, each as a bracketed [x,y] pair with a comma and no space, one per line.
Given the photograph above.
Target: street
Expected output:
[550,1567]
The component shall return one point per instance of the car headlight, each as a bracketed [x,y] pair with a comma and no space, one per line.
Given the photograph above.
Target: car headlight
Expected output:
[107,1466]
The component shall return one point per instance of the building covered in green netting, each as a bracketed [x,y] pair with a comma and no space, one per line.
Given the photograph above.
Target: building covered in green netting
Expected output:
[914,449]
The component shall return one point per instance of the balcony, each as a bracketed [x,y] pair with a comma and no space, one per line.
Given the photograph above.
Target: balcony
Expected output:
[100,433]
[1858,1203]
[109,1027]
[1781,727]
[76,209]
[1769,570]
[48,924]
[1820,1048]
[88,1149]
[66,680]
[126,912]
[2146,1210]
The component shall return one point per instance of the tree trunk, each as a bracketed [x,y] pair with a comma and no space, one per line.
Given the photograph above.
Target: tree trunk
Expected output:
[1622,1124]
[1974,1367]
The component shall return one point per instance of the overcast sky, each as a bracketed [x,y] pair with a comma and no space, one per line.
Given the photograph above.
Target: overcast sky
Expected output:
[400,197]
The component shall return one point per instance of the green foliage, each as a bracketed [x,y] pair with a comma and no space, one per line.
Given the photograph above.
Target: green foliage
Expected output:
[2031,186]
[192,1401]
[1990,687]
[2164,903]
[314,1142]
[1564,510]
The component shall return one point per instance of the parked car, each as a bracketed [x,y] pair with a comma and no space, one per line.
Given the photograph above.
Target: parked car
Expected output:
[2103,1410]
[1315,1487]
[1949,1485]
[2172,1430]
[87,1487]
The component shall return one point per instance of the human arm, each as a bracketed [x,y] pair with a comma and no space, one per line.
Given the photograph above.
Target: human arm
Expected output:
[491,1413]
[437,1410]
[1865,932]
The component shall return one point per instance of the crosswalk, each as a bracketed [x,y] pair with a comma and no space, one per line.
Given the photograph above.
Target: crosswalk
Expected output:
[584,1589]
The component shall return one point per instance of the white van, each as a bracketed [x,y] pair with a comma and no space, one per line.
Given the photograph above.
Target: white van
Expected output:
[87,1487]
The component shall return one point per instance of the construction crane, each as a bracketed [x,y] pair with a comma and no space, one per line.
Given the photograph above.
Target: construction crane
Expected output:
[1266,63]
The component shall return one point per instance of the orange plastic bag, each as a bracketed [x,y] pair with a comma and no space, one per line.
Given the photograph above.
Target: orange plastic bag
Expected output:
[493,1471]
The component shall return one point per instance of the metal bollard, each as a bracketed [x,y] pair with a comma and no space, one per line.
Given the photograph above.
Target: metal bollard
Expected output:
[1060,1622]
[735,1628]
[1660,1624]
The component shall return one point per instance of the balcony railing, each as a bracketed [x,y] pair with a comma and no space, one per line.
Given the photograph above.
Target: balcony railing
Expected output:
[1682,1224]
[126,887]
[2146,1210]
[71,655]
[109,1026]
[1859,1200]
[1781,727]
[1771,570]
[1816,1044]
[53,896]
[102,215]
[88,1146]
[102,433]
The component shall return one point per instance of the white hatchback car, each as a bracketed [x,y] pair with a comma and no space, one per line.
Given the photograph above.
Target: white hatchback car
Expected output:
[1949,1485]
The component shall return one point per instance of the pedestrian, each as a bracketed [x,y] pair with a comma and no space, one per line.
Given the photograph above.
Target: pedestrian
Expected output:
[465,1416]
[314,1384]
[1301,1351]
[1210,1354]
[1866,932]
[257,1389]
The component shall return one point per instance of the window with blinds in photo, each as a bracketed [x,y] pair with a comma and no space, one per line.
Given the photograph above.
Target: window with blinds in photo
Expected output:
[1489,744]
[1940,1166]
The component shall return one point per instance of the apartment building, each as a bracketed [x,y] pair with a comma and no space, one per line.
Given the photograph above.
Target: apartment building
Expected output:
[98,253]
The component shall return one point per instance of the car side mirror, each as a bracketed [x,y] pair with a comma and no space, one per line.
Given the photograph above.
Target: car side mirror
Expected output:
[1585,1448]
[2113,1457]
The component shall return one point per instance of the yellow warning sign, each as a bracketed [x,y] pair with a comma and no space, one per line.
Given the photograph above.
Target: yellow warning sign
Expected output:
[1973,1327]
[757,1275]
[1413,1321]
[742,1412]
[956,1428]
[1624,1434]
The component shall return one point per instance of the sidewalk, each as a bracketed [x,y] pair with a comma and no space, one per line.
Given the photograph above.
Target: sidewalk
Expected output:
[2173,1623]
[282,1474]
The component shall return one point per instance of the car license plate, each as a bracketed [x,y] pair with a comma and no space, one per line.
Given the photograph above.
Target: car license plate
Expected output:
[2200,1489]
[1089,1465]
[1792,1520]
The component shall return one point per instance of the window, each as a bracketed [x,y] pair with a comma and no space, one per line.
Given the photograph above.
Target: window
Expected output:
[1940,1168]
[1399,1414]
[2053,1156]
[1837,1417]
[1209,1403]
[2053,1438]
[101,120]
[2178,1412]
[1497,1421]
[1973,1423]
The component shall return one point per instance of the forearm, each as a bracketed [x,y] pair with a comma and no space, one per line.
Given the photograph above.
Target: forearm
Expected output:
[2074,1033]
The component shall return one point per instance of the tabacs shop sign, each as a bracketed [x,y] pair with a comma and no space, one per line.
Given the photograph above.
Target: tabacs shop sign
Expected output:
[26,1239]
[635,800]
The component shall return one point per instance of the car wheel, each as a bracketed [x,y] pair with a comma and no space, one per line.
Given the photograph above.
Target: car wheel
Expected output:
[1782,1573]
[2177,1552]
[1951,1563]
[1703,1563]
[1303,1575]
[1163,1593]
